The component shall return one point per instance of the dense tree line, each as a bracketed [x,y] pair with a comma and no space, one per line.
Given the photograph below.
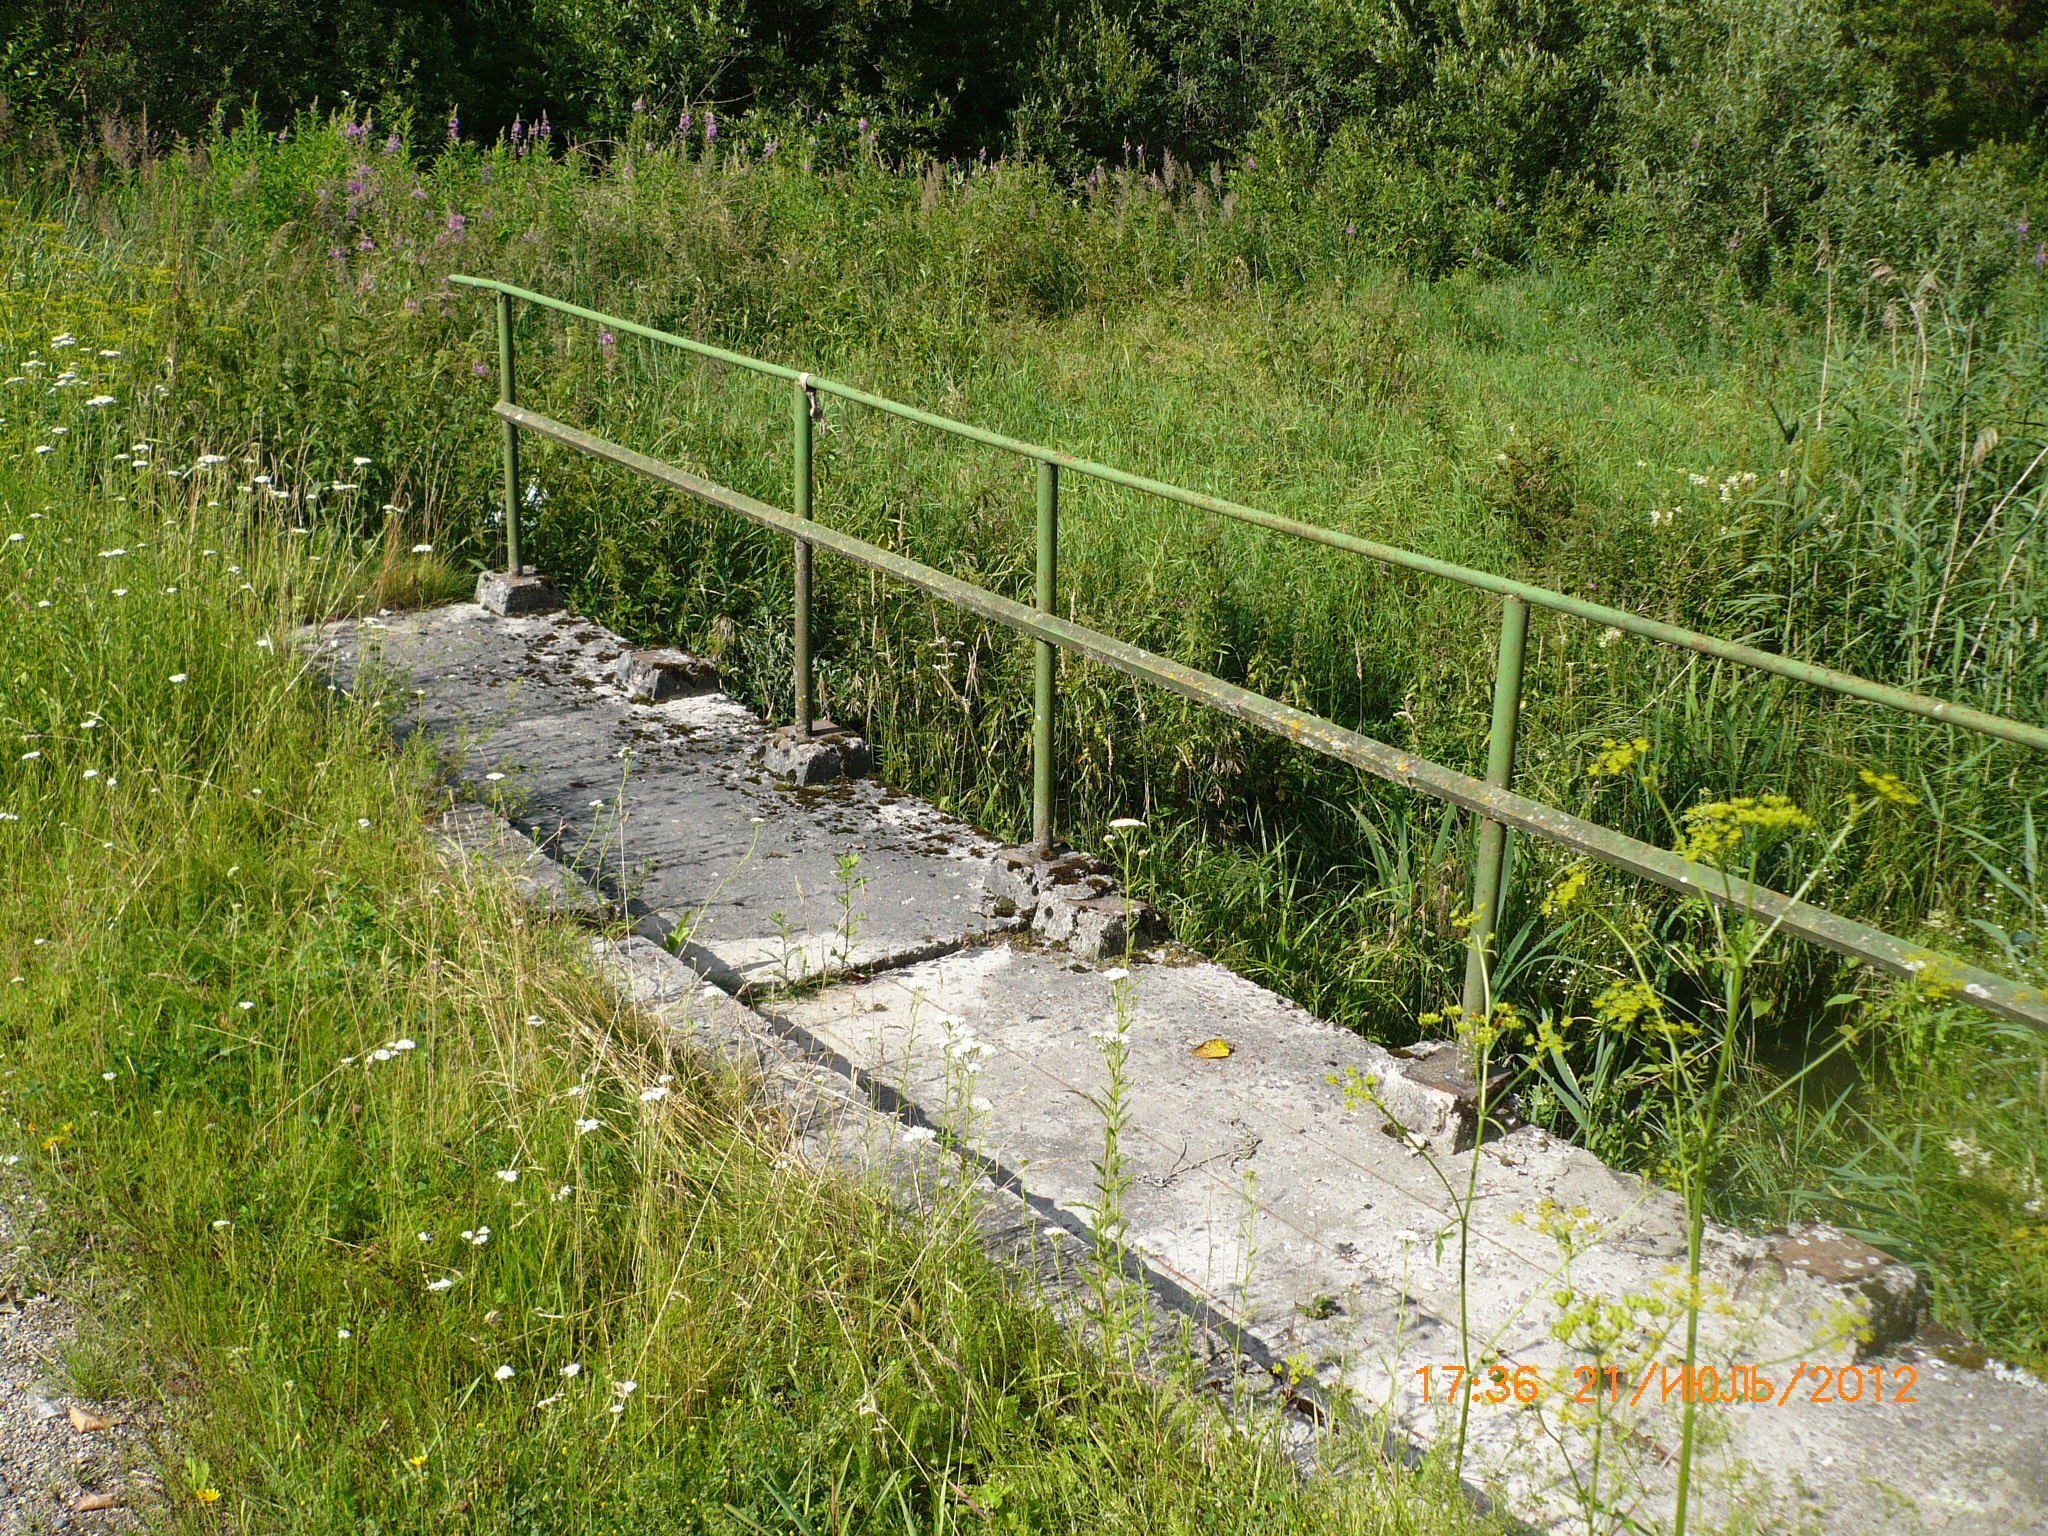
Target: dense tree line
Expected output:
[1685,133]
[1065,79]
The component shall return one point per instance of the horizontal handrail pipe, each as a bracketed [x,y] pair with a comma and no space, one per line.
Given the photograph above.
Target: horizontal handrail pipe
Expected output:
[1848,684]
[1858,941]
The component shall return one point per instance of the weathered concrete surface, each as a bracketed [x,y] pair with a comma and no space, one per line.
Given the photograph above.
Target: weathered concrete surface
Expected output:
[666,806]
[1318,1219]
[832,1122]
[1259,1195]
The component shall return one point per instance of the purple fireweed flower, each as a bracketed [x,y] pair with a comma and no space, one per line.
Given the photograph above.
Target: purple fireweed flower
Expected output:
[354,130]
[607,339]
[365,243]
[518,131]
[391,145]
[420,193]
[2041,254]
[410,303]
[478,369]
[356,183]
[863,126]
[542,128]
[454,127]
[710,127]
[683,126]
[2021,227]
[337,252]
[456,223]
[1350,229]
[639,103]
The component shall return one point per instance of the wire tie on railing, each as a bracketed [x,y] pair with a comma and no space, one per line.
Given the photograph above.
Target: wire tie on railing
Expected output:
[817,408]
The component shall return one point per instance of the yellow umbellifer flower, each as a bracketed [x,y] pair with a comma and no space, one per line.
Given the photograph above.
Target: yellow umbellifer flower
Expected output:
[1547,1035]
[1888,787]
[1635,1004]
[1566,891]
[1616,757]
[1718,825]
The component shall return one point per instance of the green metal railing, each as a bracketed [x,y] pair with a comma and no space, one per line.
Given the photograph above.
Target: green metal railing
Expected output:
[1492,798]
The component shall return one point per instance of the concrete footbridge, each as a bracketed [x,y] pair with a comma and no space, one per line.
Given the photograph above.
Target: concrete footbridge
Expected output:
[1325,1208]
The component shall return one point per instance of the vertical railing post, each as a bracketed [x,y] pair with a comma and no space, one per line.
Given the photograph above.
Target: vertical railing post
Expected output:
[1490,864]
[508,391]
[800,496]
[1043,681]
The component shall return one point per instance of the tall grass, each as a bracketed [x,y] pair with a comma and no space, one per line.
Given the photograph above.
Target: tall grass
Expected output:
[1860,487]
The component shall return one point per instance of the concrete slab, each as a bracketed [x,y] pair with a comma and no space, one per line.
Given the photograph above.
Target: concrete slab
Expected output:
[830,1123]
[666,807]
[1262,1196]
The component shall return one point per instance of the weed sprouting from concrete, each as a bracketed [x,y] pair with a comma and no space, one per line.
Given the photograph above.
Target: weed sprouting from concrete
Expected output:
[846,896]
[1119,1304]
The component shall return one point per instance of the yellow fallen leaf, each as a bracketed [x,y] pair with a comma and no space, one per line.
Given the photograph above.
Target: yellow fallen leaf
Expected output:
[1212,1050]
[84,1421]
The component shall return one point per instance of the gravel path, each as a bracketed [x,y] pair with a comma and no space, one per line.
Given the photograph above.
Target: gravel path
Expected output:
[65,1464]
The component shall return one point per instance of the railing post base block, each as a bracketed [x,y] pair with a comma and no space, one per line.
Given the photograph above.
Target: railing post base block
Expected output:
[1070,900]
[658,675]
[827,753]
[509,596]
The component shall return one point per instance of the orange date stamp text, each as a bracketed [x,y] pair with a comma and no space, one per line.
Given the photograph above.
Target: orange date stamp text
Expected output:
[1660,1382]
